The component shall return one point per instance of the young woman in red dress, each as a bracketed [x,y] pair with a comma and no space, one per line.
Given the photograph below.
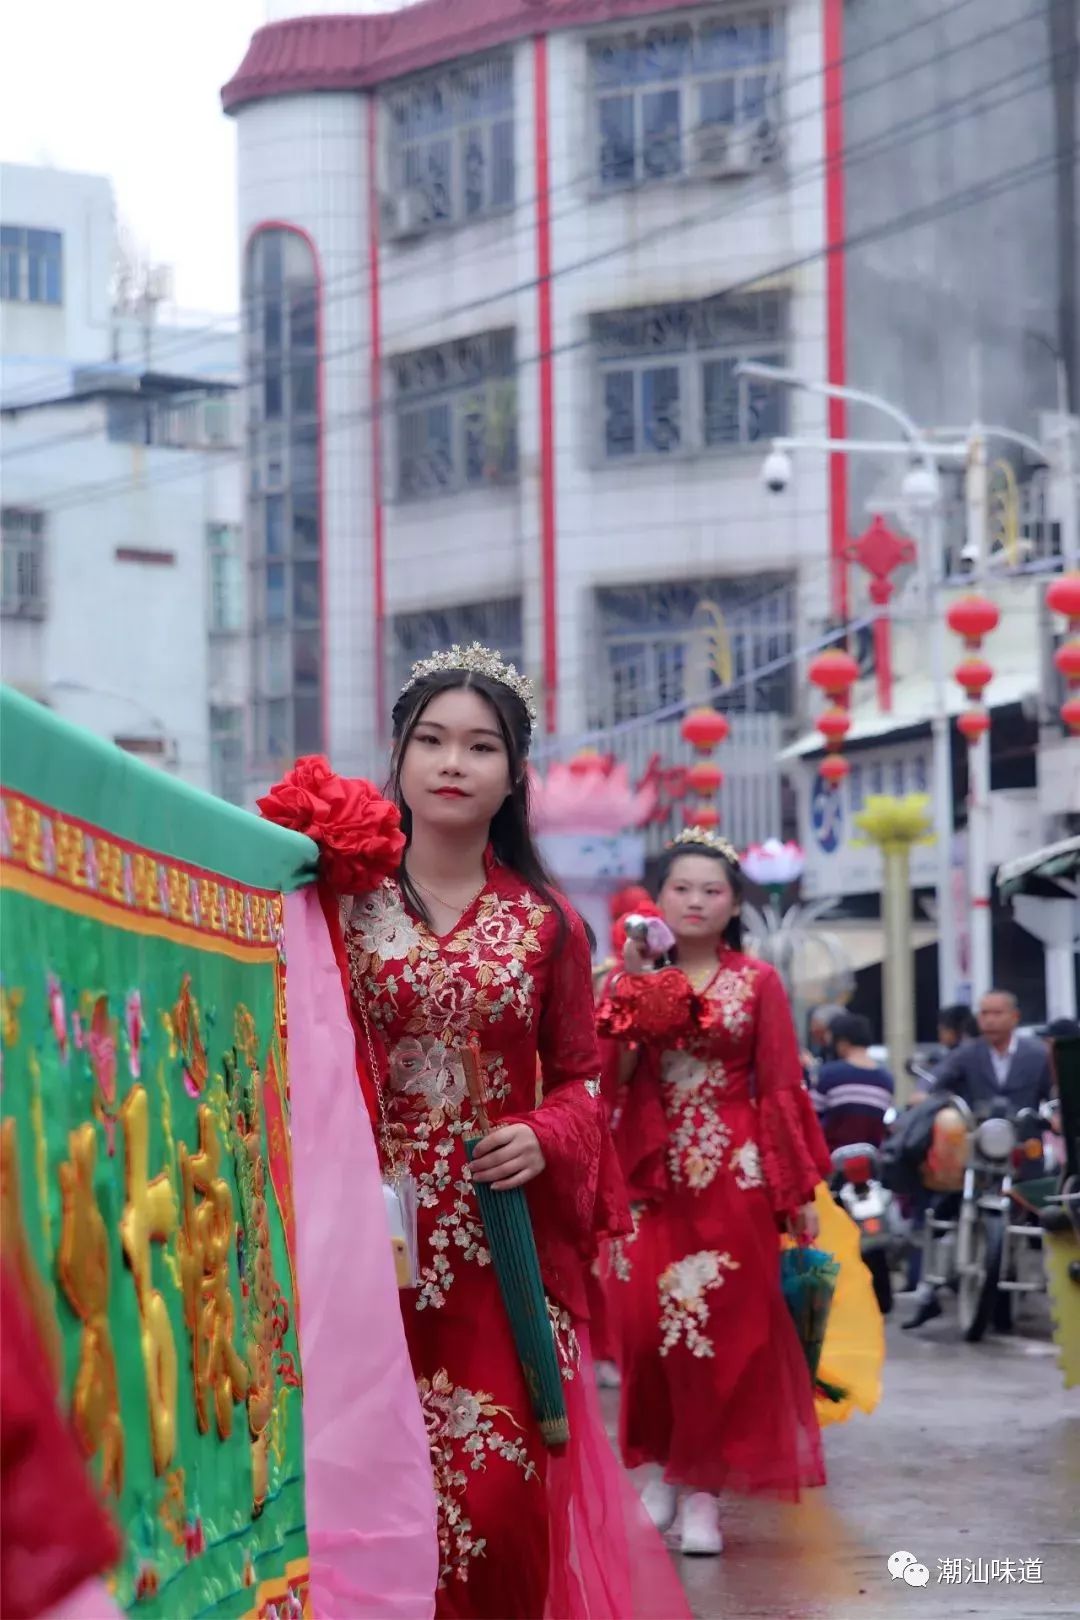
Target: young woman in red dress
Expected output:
[722,1152]
[470,946]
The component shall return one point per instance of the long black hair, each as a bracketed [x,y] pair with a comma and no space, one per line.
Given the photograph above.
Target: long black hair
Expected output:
[511,833]
[733,932]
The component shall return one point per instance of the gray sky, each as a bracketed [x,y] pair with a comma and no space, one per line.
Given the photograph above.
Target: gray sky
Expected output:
[129,89]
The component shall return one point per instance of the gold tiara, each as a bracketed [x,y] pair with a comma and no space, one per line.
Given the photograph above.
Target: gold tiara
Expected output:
[705,837]
[478,660]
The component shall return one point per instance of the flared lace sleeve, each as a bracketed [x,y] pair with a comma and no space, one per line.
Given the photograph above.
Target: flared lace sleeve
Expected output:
[580,1197]
[793,1151]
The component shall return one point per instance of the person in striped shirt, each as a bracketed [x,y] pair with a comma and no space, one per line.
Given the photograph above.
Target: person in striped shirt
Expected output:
[851,1091]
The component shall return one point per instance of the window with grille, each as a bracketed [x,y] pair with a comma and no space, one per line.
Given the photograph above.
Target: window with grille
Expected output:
[225,574]
[414,636]
[284,512]
[666,377]
[664,94]
[31,265]
[451,139]
[23,549]
[663,644]
[455,412]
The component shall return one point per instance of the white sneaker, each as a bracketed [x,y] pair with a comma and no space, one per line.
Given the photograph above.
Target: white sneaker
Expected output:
[607,1375]
[701,1534]
[660,1501]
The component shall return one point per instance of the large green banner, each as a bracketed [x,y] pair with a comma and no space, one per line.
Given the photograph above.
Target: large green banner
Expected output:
[147,1201]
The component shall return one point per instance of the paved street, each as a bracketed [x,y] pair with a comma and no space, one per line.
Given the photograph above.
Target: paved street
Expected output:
[974,1453]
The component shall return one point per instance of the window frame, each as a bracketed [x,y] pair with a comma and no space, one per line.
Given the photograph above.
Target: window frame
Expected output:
[23,555]
[32,272]
[405,165]
[690,360]
[226,773]
[690,84]
[225,579]
[494,383]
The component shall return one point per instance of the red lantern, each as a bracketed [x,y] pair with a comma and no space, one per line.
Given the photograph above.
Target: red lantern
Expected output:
[834,725]
[1064,597]
[973,617]
[705,815]
[973,724]
[833,769]
[974,674]
[704,778]
[704,729]
[1070,714]
[1067,660]
[834,671]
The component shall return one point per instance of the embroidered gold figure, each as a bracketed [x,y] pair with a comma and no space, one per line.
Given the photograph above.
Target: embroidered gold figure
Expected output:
[82,1265]
[205,1244]
[149,1217]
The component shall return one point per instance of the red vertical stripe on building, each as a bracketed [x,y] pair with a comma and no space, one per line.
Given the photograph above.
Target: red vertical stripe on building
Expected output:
[835,296]
[378,556]
[548,561]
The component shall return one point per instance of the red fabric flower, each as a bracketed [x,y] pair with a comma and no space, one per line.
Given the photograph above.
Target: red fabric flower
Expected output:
[358,831]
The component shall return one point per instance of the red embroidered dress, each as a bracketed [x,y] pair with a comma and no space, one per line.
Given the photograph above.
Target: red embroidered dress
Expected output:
[510,1513]
[719,1141]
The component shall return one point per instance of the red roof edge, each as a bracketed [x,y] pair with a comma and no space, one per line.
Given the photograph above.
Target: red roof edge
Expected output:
[350,52]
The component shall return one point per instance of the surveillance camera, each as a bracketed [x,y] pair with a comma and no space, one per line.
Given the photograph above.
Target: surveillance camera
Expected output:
[776,473]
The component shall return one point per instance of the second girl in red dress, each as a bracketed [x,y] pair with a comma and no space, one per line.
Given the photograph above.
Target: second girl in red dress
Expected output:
[722,1152]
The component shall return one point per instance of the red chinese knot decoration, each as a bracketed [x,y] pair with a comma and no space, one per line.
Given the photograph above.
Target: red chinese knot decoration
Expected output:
[834,672]
[1064,597]
[704,729]
[973,617]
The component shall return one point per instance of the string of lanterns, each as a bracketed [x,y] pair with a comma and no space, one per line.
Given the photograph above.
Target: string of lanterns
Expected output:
[704,729]
[834,672]
[973,617]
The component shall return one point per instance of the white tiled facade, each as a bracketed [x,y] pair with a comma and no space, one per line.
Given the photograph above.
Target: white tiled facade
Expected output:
[107,612]
[304,163]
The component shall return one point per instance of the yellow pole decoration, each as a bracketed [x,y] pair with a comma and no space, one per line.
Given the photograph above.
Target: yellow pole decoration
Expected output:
[894,825]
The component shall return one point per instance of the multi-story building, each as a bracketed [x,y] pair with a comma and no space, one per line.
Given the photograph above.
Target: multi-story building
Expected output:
[501,263]
[123,577]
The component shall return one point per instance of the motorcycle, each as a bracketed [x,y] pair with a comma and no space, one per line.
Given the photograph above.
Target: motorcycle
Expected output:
[857,1189]
[986,1241]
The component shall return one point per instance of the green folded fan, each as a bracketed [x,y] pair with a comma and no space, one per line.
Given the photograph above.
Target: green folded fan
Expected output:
[508,1225]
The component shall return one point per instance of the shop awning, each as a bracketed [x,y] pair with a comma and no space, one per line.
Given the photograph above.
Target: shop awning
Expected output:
[1060,860]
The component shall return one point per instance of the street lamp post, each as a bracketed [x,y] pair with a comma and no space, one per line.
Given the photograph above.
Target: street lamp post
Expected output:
[922,490]
[930,447]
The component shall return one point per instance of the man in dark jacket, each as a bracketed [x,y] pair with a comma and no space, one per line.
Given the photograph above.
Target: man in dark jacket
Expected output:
[999,1067]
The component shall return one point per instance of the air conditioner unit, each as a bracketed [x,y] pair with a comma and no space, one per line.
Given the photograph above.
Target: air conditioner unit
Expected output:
[724,151]
[406,214]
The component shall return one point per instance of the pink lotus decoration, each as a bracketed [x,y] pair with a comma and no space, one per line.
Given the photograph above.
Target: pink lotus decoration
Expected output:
[773,865]
[590,794]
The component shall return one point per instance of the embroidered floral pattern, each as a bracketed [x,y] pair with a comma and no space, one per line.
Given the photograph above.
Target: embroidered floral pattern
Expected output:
[464,1429]
[619,1260]
[730,999]
[444,988]
[684,1309]
[746,1164]
[699,1139]
[567,1344]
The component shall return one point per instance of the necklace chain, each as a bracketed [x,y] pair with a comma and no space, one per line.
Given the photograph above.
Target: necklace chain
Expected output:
[449,904]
